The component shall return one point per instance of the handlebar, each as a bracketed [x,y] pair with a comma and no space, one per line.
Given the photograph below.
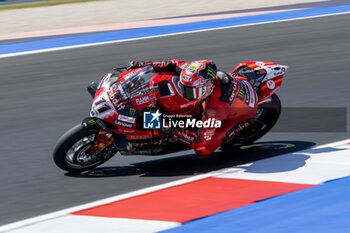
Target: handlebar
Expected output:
[120,69]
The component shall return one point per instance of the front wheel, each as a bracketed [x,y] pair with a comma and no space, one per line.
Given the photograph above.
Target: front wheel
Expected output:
[266,117]
[73,150]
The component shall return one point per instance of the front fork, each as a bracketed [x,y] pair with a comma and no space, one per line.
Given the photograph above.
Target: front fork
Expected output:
[102,141]
[103,138]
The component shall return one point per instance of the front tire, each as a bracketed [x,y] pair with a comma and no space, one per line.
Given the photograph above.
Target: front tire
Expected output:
[72,150]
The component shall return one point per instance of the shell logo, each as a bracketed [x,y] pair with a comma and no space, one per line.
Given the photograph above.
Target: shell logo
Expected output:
[271,84]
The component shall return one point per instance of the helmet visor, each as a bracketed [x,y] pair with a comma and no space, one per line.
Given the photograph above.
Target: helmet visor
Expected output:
[194,93]
[190,93]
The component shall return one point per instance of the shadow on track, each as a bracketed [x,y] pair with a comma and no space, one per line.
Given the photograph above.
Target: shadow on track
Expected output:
[191,165]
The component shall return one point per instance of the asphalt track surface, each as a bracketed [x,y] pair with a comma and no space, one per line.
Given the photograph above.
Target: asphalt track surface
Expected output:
[43,95]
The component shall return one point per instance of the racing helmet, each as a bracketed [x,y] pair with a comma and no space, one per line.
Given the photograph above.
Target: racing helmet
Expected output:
[197,79]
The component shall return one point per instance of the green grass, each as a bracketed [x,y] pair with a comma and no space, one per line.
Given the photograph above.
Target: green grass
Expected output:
[39,4]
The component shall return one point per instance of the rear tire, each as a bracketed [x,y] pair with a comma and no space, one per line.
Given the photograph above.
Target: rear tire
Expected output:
[267,116]
[78,140]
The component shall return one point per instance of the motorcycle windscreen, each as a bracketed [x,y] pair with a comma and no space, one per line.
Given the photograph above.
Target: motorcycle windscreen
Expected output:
[137,84]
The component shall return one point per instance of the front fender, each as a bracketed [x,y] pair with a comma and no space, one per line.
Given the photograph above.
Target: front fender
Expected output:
[89,122]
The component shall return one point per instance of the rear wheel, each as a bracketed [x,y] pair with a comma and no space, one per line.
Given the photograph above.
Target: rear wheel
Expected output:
[73,150]
[266,117]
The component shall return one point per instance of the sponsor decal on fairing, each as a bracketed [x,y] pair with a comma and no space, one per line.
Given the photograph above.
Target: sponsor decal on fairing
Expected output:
[145,99]
[123,124]
[186,105]
[236,129]
[234,89]
[260,63]
[247,99]
[251,94]
[127,119]
[130,74]
[270,84]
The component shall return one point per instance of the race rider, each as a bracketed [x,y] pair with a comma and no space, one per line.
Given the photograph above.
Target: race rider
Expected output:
[223,96]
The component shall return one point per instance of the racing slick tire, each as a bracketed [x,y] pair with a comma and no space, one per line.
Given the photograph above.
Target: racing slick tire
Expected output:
[72,150]
[267,115]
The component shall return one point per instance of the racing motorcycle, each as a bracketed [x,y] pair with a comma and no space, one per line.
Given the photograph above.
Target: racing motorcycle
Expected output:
[121,99]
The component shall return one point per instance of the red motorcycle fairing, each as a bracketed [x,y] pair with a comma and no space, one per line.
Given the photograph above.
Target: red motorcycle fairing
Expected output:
[270,73]
[120,100]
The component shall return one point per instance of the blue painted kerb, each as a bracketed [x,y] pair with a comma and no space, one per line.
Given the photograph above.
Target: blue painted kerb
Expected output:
[169,29]
[320,209]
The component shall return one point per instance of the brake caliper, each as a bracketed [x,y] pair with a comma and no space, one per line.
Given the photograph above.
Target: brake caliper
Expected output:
[102,141]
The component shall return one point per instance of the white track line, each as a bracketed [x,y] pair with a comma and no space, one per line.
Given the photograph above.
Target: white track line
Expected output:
[87,224]
[159,36]
[63,212]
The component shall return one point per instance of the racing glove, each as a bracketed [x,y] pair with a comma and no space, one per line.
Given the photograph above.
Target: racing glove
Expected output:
[136,64]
